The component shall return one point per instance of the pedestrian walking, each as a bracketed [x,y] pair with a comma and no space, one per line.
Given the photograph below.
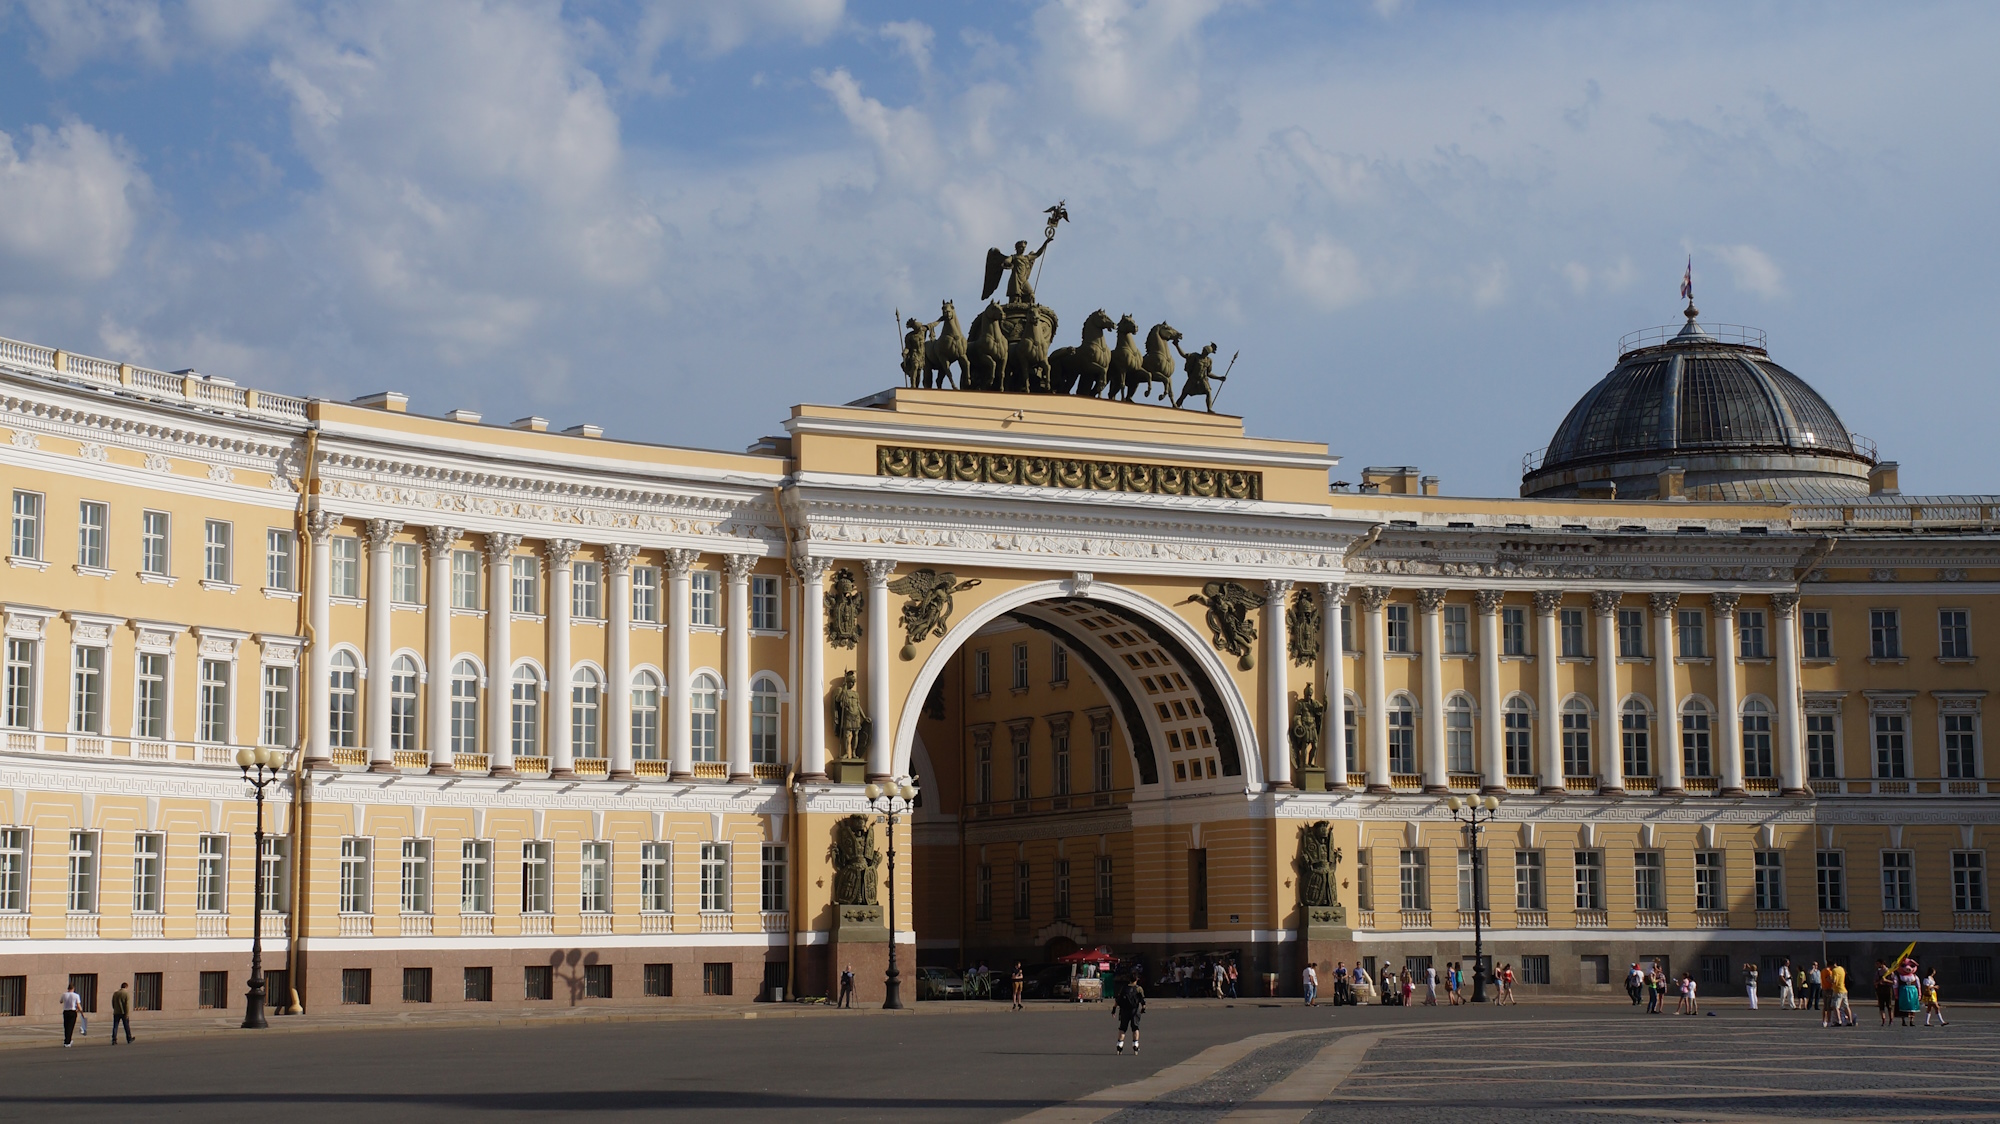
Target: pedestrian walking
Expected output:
[1750,984]
[1908,994]
[1656,987]
[846,986]
[1409,984]
[1343,990]
[1020,984]
[1430,986]
[1885,992]
[72,1010]
[1785,984]
[121,1012]
[1451,983]
[1310,980]
[1814,979]
[1507,984]
[1232,980]
[1635,982]
[1931,1004]
[1694,1003]
[1835,1010]
[1130,1004]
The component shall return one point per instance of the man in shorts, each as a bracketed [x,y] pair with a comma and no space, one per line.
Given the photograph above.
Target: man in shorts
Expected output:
[1833,992]
[1131,1004]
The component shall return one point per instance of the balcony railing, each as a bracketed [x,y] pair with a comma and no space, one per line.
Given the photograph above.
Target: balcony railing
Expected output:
[13,926]
[1962,788]
[1592,919]
[656,923]
[651,770]
[1357,780]
[149,926]
[475,924]
[347,756]
[153,751]
[1416,918]
[1465,919]
[767,771]
[1760,784]
[717,922]
[596,925]
[1774,919]
[538,925]
[1698,784]
[1833,920]
[418,924]
[1824,786]
[20,742]
[1641,784]
[711,770]
[1464,782]
[1531,918]
[80,926]
[774,920]
[410,759]
[211,925]
[538,766]
[1406,782]
[1711,919]
[589,766]
[357,925]
[1896,920]
[471,762]
[216,395]
[1365,918]
[1981,922]
[1650,919]
[1580,784]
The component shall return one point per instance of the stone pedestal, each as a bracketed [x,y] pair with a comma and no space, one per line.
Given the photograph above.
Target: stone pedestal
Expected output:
[850,772]
[1312,779]
[861,942]
[1326,940]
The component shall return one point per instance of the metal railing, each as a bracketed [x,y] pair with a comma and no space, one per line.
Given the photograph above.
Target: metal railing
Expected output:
[1741,334]
[213,394]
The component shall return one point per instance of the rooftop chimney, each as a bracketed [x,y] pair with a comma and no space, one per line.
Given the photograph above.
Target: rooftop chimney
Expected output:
[392,401]
[1882,479]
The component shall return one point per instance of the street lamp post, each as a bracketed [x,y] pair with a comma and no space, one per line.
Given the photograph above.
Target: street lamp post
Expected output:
[887,800]
[266,761]
[1472,807]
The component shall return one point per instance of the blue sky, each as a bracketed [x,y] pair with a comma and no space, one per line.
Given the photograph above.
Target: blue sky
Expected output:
[1424,225]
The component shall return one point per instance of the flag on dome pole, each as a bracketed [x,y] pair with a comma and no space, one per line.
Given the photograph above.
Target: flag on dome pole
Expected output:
[1687,280]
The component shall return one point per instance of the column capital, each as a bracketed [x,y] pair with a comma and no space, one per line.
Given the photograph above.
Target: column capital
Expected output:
[380,531]
[439,540]
[1604,602]
[1276,588]
[499,546]
[1664,603]
[737,567]
[1725,602]
[1430,600]
[1372,597]
[1489,600]
[878,569]
[560,551]
[1785,604]
[618,558]
[680,560]
[320,524]
[1547,601]
[1333,593]
[811,570]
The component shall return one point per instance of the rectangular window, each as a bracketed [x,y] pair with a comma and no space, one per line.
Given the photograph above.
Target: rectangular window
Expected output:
[13,869]
[1346,627]
[526,584]
[1020,667]
[1707,881]
[211,874]
[1364,877]
[146,989]
[1062,890]
[153,542]
[702,599]
[1750,634]
[535,895]
[982,771]
[1528,885]
[1515,739]
[1816,634]
[1885,634]
[280,561]
[1576,755]
[1198,888]
[1770,880]
[1513,630]
[1697,760]
[1590,880]
[276,707]
[416,985]
[1693,626]
[1465,880]
[1396,618]
[93,520]
[214,991]
[1458,753]
[1021,766]
[355,876]
[1573,633]
[982,672]
[659,981]
[475,876]
[1402,723]
[1631,634]
[1101,749]
[538,982]
[1649,888]
[357,986]
[343,578]
[17,697]
[1822,746]
[416,882]
[465,579]
[406,573]
[764,604]
[1968,881]
[1891,746]
[656,888]
[151,697]
[1021,884]
[1954,634]
[218,540]
[85,985]
[718,979]
[27,542]
[586,591]
[1534,969]
[1058,664]
[1105,884]
[1961,742]
[1457,630]
[646,594]
[1831,867]
[87,691]
[1899,881]
[148,858]
[594,878]
[775,897]
[1059,759]
[715,878]
[597,981]
[83,872]
[1714,970]
[274,876]
[1414,878]
[982,893]
[13,996]
[213,717]
[1635,740]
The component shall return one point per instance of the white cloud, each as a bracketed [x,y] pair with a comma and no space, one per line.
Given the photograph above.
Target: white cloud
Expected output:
[66,207]
[902,138]
[76,31]
[724,25]
[1489,283]
[1129,63]
[1751,269]
[1614,278]
[1388,9]
[913,38]
[1326,272]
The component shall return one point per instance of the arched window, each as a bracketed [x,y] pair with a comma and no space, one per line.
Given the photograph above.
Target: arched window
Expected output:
[464,707]
[526,724]
[1517,738]
[1756,739]
[1576,739]
[704,717]
[1696,758]
[764,722]
[1402,735]
[1635,738]
[586,736]
[403,703]
[646,716]
[1458,735]
[343,700]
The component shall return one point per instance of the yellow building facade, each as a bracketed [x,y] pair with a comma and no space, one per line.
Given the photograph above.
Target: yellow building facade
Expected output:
[556,720]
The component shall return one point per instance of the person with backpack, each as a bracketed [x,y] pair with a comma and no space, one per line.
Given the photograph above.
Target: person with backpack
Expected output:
[1131,1004]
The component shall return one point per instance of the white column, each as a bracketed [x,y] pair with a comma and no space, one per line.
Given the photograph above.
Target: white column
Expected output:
[1436,771]
[881,749]
[1667,737]
[1333,664]
[736,693]
[500,652]
[1729,725]
[319,614]
[437,655]
[1548,652]
[1492,719]
[1791,762]
[1374,673]
[680,728]
[811,692]
[380,534]
[618,658]
[562,754]
[1277,682]
[1610,744]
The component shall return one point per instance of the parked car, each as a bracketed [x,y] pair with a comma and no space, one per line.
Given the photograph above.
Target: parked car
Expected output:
[939,983]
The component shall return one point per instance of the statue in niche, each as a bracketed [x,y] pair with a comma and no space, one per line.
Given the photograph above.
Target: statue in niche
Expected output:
[856,860]
[1229,623]
[1302,627]
[1307,715]
[928,612]
[843,610]
[1318,861]
[850,721]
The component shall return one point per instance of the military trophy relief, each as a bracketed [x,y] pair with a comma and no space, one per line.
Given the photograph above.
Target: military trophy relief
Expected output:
[843,610]
[1229,625]
[1320,913]
[928,612]
[1006,347]
[857,867]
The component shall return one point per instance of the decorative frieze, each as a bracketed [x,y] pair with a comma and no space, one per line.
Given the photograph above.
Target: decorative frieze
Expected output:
[909,463]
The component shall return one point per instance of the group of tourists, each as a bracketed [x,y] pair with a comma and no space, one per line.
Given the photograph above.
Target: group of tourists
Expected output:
[1903,991]
[1195,979]
[1906,990]
[1399,989]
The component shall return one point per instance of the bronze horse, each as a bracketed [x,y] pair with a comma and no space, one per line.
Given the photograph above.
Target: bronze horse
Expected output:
[947,349]
[1085,366]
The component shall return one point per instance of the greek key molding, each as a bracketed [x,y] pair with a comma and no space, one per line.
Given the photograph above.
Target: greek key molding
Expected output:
[906,462]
